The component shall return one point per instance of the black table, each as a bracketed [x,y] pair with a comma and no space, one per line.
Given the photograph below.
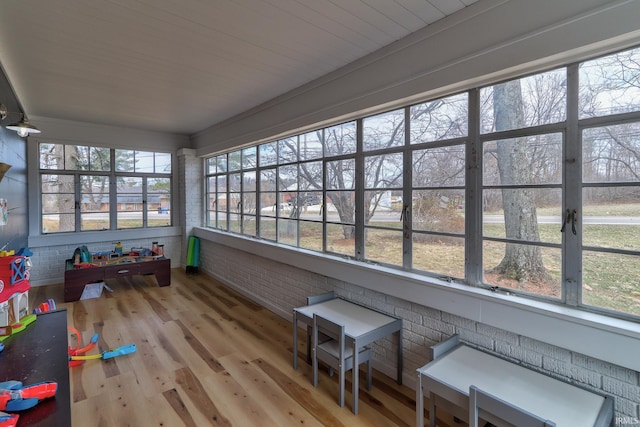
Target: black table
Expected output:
[40,353]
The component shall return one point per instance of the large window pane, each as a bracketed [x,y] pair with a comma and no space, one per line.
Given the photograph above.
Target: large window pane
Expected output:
[249,202]
[540,219]
[268,228]
[158,202]
[311,235]
[530,101]
[439,167]
[611,217]
[234,161]
[222,163]
[125,160]
[51,156]
[88,158]
[58,203]
[268,204]
[438,210]
[311,205]
[310,177]
[268,180]
[384,246]
[535,159]
[383,131]
[249,225]
[249,158]
[163,163]
[223,223]
[93,221]
[268,154]
[439,120]
[341,206]
[235,222]
[611,153]
[443,255]
[609,85]
[88,197]
[288,232]
[610,281]
[540,271]
[340,240]
[94,202]
[288,150]
[311,145]
[145,162]
[58,223]
[288,178]
[341,174]
[340,139]
[384,171]
[130,206]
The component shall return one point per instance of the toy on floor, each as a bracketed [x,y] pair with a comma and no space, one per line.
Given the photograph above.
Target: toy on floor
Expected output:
[77,355]
[8,420]
[16,397]
[108,354]
[79,350]
[48,305]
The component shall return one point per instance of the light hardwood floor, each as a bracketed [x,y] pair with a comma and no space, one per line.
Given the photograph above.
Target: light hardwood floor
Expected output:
[206,356]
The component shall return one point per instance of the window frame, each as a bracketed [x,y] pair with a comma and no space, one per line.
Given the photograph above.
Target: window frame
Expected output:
[112,193]
[570,186]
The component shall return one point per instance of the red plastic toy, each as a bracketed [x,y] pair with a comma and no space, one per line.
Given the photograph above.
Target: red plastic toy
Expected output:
[79,351]
[8,420]
[16,397]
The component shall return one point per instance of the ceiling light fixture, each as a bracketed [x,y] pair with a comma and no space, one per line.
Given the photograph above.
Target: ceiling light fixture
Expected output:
[23,127]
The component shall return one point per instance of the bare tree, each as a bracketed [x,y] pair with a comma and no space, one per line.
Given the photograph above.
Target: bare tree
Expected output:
[520,262]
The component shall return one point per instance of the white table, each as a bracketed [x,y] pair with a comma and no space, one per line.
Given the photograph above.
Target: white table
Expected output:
[448,377]
[362,325]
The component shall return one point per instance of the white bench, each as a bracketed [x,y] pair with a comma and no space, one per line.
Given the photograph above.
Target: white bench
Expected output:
[455,367]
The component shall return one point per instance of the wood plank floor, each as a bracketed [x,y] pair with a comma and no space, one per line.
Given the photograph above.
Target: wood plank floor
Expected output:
[207,356]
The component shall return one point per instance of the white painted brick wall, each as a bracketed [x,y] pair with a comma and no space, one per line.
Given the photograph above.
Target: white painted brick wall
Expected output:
[190,182]
[282,287]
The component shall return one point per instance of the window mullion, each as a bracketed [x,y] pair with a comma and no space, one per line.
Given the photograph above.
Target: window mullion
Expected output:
[113,191]
[359,194]
[407,187]
[78,201]
[473,194]
[572,195]
[144,201]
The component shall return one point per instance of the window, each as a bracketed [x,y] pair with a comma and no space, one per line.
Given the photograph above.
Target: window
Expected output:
[522,183]
[79,185]
[529,186]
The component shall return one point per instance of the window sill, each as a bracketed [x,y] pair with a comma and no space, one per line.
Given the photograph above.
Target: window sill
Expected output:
[88,237]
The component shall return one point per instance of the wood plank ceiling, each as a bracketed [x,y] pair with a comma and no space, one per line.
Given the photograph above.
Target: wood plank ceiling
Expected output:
[181,66]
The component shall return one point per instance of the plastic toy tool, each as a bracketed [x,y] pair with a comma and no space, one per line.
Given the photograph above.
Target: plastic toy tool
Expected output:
[8,420]
[79,350]
[108,354]
[16,397]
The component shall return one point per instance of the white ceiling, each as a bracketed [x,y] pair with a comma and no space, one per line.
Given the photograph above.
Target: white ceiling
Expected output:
[181,66]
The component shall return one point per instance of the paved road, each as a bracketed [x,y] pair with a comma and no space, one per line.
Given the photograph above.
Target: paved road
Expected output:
[603,220]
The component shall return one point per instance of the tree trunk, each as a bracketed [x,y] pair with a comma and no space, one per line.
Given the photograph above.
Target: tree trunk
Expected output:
[520,262]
